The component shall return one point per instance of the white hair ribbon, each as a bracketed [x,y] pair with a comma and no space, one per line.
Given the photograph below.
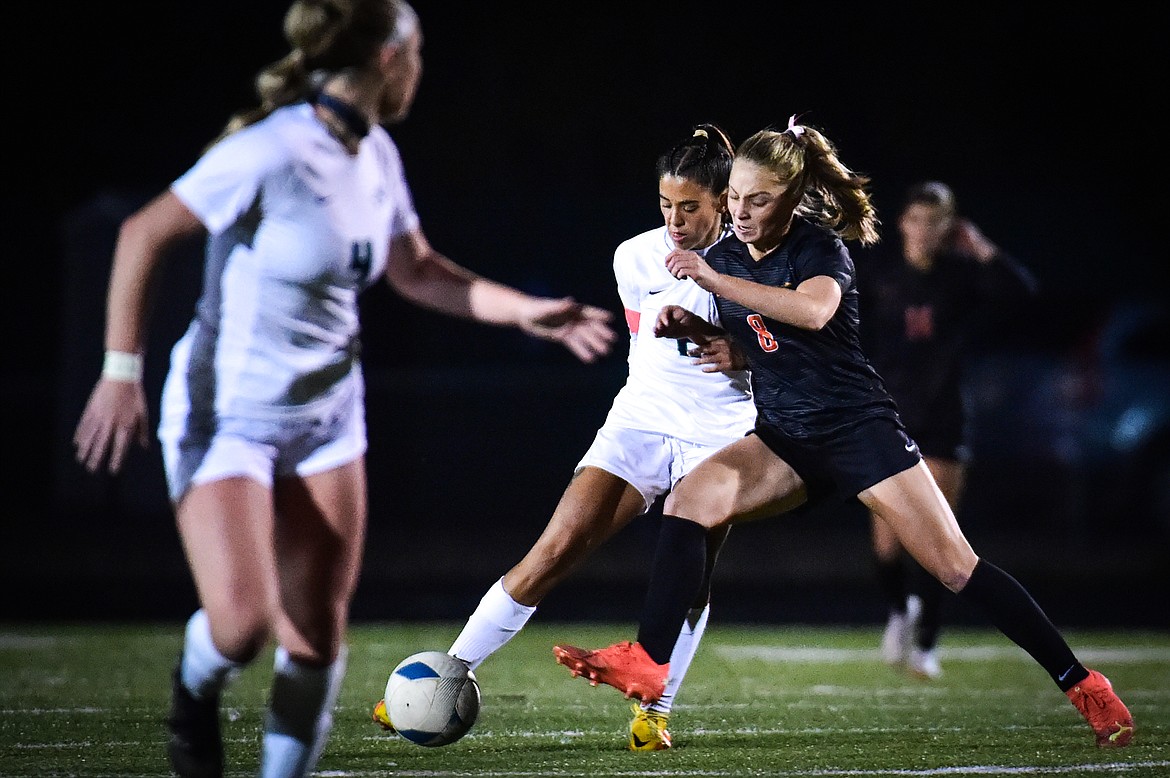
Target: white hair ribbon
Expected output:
[793,127]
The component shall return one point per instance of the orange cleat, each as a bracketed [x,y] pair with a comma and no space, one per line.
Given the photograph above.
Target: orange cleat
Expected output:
[1103,709]
[625,666]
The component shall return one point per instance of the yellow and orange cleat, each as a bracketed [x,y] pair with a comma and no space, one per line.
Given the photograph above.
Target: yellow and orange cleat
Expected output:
[648,730]
[381,717]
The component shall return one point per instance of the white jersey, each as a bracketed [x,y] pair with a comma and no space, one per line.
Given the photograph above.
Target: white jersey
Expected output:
[666,393]
[298,228]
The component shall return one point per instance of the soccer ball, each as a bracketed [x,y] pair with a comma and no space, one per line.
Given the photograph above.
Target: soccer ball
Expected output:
[432,698]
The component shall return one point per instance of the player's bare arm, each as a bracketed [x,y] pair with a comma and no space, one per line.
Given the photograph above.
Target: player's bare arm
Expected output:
[116,414]
[428,278]
[809,306]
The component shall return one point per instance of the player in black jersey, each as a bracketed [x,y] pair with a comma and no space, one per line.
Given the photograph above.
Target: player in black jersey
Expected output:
[921,307]
[827,427]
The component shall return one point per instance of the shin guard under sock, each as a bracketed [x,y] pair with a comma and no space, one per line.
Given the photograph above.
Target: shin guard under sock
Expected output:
[891,580]
[675,580]
[495,621]
[1016,614]
[299,716]
[931,594]
[204,671]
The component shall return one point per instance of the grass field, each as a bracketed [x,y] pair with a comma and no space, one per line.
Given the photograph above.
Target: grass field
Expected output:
[759,701]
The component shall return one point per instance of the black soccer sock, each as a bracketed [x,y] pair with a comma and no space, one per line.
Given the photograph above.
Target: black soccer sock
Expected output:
[930,592]
[715,540]
[675,580]
[1019,618]
[891,579]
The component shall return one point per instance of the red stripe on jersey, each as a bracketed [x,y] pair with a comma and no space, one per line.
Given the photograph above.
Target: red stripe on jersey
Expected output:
[632,320]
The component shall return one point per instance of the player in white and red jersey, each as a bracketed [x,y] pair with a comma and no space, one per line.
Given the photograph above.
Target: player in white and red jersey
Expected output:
[305,205]
[681,402]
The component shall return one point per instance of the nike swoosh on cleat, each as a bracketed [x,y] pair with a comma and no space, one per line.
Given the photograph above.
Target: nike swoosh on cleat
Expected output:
[639,742]
[1121,730]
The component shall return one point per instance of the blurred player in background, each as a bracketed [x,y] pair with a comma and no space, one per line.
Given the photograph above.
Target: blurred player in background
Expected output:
[681,402]
[920,311]
[263,429]
[827,429]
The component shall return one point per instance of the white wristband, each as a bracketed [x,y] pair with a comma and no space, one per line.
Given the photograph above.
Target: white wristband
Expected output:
[122,366]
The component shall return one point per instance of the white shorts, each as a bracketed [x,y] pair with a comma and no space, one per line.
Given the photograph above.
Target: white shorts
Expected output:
[650,462]
[258,449]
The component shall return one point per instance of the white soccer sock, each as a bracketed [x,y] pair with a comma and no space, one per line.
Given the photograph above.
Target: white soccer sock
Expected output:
[325,720]
[203,670]
[680,658]
[495,621]
[300,715]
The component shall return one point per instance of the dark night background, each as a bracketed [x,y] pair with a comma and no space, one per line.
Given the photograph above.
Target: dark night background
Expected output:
[530,152]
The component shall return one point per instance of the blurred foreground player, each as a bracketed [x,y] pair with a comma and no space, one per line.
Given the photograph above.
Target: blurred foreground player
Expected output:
[262,426]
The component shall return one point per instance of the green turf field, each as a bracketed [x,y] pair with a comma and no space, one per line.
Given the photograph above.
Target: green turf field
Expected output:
[759,701]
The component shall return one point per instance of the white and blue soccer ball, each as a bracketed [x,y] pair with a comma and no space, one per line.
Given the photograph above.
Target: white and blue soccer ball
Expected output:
[432,698]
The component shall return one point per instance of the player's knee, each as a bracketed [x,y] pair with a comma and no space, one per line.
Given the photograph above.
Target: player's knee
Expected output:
[955,576]
[240,640]
[706,510]
[317,649]
[706,516]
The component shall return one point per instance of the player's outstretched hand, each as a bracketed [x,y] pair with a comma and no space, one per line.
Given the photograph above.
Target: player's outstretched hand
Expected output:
[674,321]
[583,329]
[718,355]
[115,416]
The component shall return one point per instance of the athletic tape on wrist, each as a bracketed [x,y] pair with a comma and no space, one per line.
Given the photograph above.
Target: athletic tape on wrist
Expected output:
[122,366]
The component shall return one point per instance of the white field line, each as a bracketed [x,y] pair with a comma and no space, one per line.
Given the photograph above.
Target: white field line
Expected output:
[1107,768]
[1103,768]
[567,736]
[986,653]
